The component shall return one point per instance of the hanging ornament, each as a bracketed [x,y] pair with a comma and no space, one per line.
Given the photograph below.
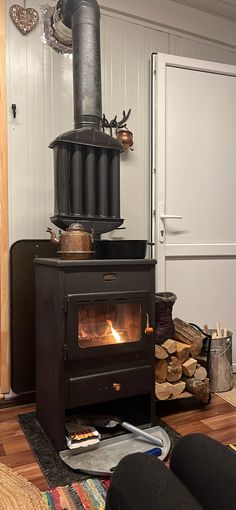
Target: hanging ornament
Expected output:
[24,19]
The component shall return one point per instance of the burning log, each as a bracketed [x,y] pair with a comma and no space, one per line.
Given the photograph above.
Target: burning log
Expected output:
[187,334]
[160,353]
[174,370]
[199,388]
[161,367]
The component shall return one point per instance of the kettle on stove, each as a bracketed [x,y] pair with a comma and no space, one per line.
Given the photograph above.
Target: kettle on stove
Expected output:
[74,244]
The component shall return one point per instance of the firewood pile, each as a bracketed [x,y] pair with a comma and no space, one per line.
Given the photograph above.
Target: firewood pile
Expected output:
[179,368]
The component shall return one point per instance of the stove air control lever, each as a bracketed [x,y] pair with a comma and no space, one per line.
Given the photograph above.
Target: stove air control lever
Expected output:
[148,329]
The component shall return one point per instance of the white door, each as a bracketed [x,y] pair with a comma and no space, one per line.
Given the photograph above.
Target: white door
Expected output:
[196,180]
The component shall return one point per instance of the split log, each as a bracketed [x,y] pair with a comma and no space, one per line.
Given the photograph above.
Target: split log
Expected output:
[174,370]
[182,351]
[199,388]
[160,353]
[161,366]
[177,388]
[169,345]
[200,373]
[162,390]
[189,367]
[187,334]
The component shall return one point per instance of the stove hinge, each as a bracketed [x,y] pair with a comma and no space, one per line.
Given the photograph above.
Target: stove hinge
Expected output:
[65,352]
[65,304]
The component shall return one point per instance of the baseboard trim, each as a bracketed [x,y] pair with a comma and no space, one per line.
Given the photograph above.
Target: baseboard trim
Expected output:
[18,400]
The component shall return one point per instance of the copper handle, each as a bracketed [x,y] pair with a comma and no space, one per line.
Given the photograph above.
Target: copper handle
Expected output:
[116,386]
[148,330]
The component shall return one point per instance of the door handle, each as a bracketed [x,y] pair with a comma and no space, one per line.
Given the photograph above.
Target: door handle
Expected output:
[170,217]
[161,220]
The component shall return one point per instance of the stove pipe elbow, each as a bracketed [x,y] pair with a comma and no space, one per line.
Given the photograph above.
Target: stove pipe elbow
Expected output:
[83,17]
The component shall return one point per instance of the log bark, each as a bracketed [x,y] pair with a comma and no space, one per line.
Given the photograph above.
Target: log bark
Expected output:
[162,390]
[174,370]
[161,366]
[182,351]
[187,334]
[199,388]
[160,353]
[169,345]
[189,367]
[200,373]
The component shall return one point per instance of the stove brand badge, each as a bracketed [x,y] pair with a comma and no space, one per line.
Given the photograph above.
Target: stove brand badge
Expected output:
[111,277]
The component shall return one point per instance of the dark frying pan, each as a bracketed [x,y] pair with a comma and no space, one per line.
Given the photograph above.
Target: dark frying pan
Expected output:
[120,249]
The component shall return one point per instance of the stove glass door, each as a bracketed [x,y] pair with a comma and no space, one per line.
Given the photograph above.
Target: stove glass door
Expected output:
[101,324]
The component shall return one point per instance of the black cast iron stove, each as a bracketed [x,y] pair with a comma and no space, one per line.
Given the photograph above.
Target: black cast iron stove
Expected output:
[93,342]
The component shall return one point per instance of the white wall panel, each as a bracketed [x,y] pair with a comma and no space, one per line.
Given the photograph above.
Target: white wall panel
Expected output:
[197,48]
[201,291]
[40,83]
[126,50]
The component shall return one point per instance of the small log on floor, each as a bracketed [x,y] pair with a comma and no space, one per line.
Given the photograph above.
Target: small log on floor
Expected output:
[174,370]
[182,351]
[162,390]
[160,353]
[161,366]
[187,334]
[189,367]
[169,345]
[199,389]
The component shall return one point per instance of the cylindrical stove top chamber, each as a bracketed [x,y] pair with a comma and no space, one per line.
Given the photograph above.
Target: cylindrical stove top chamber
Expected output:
[86,160]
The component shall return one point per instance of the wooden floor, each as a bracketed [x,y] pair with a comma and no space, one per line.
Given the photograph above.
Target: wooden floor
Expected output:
[217,420]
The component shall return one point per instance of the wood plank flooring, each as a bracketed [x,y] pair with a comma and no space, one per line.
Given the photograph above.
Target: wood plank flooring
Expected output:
[217,420]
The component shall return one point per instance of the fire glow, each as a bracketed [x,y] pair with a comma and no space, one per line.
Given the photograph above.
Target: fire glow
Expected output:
[114,333]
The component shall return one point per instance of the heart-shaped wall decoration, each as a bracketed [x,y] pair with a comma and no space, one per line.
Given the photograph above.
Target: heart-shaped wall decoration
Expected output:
[24,19]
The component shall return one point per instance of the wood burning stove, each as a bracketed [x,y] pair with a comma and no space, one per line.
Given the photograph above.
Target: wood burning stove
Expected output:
[93,341]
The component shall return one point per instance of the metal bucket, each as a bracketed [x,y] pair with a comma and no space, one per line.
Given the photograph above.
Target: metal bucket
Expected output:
[220,368]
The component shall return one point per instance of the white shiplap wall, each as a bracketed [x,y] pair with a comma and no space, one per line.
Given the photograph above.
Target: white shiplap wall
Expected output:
[40,83]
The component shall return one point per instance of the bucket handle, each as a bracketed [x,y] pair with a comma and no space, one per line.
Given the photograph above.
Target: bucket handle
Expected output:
[228,345]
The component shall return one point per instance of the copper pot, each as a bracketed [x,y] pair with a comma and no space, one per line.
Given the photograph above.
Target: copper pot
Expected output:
[75,243]
[125,137]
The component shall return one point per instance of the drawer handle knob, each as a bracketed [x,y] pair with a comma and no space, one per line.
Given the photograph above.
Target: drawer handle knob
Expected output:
[116,386]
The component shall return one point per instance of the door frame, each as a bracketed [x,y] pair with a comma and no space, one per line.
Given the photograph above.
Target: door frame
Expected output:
[160,62]
[4,241]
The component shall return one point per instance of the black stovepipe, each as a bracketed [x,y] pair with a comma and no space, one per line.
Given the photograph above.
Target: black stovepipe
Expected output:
[83,18]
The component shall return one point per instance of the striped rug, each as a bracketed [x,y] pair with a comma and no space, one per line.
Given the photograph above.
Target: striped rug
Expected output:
[87,495]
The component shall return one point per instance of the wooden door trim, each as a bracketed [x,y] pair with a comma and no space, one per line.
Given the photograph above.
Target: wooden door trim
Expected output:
[4,243]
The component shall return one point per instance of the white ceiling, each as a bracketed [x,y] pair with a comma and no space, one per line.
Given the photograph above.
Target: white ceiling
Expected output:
[222,8]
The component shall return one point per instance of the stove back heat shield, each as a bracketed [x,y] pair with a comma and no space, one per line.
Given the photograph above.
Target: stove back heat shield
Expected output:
[86,159]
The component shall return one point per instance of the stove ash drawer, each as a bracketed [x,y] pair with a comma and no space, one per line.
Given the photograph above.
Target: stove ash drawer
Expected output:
[95,388]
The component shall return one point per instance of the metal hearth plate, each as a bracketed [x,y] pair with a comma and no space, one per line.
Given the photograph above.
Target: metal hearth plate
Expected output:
[102,460]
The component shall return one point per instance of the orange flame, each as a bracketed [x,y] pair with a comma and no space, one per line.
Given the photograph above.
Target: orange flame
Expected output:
[114,332]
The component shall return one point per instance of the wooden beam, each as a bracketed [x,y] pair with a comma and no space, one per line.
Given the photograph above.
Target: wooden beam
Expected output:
[4,243]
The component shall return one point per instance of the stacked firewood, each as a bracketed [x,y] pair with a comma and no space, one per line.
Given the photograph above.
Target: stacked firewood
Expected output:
[178,366]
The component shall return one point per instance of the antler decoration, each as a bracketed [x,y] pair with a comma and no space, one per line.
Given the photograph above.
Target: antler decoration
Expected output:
[114,124]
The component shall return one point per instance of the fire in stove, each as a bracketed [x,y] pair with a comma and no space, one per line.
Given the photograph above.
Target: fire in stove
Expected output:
[95,326]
